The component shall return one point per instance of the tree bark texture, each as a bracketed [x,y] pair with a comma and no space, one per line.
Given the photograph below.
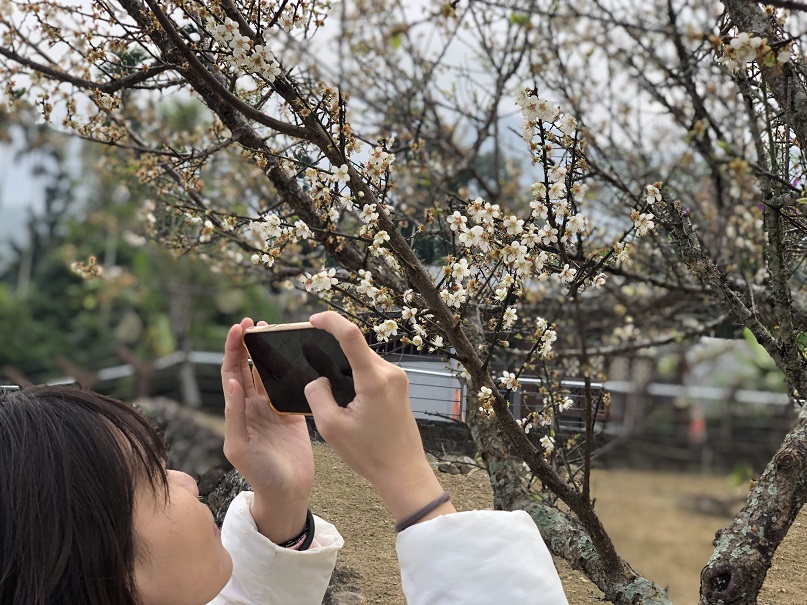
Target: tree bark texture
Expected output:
[744,551]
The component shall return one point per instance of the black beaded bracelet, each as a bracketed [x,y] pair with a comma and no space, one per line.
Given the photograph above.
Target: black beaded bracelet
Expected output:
[306,537]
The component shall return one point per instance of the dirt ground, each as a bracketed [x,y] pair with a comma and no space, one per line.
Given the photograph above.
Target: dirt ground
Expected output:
[656,520]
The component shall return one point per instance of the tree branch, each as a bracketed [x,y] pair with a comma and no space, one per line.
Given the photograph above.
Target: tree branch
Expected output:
[196,66]
[110,87]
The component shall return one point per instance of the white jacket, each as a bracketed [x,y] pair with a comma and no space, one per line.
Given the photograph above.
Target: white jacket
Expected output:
[471,558]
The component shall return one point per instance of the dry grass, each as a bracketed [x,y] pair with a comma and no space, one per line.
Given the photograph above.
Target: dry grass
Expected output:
[648,514]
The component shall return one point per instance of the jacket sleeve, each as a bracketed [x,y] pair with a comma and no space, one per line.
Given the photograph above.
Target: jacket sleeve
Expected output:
[478,558]
[266,574]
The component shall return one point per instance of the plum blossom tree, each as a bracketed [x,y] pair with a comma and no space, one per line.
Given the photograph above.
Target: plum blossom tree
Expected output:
[657,195]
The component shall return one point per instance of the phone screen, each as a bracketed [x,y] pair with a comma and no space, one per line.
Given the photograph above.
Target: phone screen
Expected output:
[287,358]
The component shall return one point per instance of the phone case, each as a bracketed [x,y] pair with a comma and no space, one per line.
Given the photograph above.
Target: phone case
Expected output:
[290,364]
[302,325]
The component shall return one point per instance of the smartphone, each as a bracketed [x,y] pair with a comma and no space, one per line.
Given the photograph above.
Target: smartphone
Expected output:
[286,357]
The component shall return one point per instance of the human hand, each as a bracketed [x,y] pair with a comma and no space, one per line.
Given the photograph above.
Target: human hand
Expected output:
[271,451]
[376,434]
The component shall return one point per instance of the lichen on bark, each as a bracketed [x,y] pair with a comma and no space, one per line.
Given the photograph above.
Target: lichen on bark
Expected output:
[744,551]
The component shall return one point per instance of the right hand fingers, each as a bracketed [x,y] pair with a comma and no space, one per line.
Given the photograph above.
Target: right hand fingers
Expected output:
[341,378]
[360,356]
[324,407]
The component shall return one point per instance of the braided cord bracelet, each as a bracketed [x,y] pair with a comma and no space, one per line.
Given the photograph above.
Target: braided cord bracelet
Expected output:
[415,517]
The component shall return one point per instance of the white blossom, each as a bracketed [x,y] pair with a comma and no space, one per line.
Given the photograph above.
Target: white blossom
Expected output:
[454,297]
[513,225]
[475,207]
[567,274]
[509,381]
[530,237]
[557,174]
[621,251]
[644,224]
[509,318]
[485,399]
[539,210]
[652,194]
[239,45]
[207,232]
[345,201]
[525,424]
[379,161]
[408,313]
[746,47]
[557,190]
[340,174]
[475,236]
[386,329]
[222,32]
[514,252]
[320,282]
[534,108]
[742,49]
[267,228]
[577,223]
[548,234]
[380,238]
[560,208]
[302,230]
[540,260]
[548,444]
[460,270]
[579,191]
[457,221]
[524,267]
[538,190]
[489,213]
[368,214]
[567,124]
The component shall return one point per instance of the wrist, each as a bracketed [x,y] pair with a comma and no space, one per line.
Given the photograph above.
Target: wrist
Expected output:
[404,495]
[277,520]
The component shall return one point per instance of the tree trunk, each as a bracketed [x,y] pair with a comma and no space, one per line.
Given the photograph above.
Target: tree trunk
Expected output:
[563,534]
[744,551]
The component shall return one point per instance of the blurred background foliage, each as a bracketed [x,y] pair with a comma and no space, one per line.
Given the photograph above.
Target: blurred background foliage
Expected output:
[148,299]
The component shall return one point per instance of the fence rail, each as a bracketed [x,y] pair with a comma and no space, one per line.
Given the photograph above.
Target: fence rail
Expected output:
[700,426]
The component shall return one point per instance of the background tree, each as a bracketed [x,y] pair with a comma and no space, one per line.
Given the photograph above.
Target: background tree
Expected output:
[342,177]
[148,299]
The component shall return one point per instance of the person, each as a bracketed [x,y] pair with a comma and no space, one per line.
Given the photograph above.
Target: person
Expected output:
[89,514]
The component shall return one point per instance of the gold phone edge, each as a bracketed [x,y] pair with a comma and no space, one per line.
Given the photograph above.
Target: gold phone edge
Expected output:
[301,325]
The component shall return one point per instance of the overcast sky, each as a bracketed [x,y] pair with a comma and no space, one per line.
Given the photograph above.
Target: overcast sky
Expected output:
[17,194]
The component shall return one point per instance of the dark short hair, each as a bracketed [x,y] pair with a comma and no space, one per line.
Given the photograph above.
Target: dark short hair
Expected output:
[70,461]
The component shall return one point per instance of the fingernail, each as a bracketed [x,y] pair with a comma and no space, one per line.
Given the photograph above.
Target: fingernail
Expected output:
[230,388]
